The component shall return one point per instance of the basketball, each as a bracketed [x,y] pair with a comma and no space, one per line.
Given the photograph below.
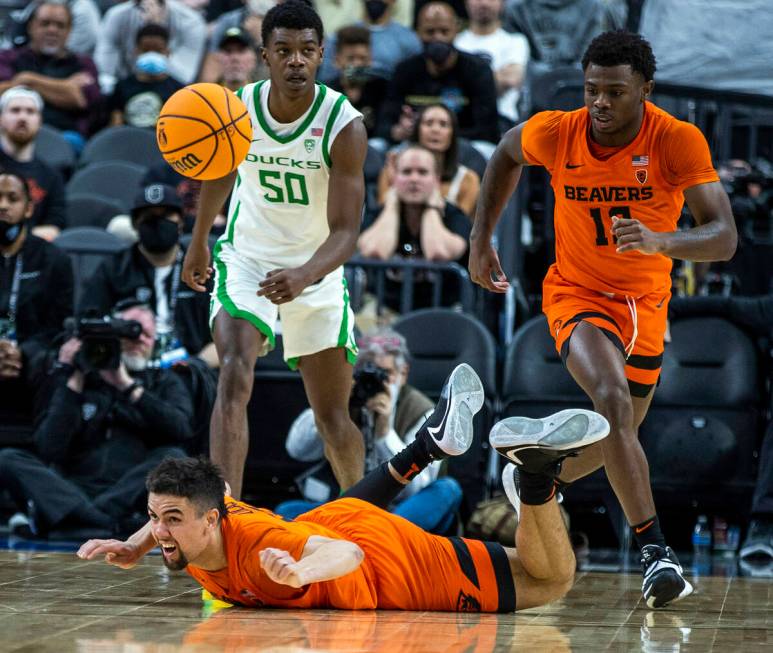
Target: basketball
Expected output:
[204,131]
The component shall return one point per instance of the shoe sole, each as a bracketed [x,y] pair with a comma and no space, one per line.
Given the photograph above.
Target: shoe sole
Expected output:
[508,484]
[467,398]
[664,589]
[566,430]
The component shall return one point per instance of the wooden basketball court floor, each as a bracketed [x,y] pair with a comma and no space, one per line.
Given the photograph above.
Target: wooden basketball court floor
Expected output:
[53,602]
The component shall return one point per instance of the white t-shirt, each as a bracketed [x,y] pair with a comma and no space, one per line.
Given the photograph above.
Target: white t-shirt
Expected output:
[502,49]
[163,318]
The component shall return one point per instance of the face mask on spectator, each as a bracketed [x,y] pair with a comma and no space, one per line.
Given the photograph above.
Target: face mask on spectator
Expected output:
[357,74]
[375,8]
[9,233]
[158,235]
[152,63]
[438,52]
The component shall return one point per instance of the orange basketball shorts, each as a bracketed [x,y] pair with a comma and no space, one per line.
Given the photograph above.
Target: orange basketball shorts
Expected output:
[635,325]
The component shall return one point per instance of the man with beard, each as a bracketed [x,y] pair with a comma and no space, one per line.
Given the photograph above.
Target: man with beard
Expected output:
[441,74]
[149,271]
[36,290]
[390,42]
[99,434]
[239,60]
[20,119]
[67,82]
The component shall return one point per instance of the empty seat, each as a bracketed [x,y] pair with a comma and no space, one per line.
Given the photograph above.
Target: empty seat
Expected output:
[55,150]
[439,339]
[87,247]
[115,180]
[122,143]
[87,210]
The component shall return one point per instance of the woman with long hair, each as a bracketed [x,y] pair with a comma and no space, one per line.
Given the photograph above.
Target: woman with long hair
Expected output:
[437,129]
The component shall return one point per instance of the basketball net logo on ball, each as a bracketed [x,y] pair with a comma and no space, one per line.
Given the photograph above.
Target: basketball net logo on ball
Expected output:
[204,131]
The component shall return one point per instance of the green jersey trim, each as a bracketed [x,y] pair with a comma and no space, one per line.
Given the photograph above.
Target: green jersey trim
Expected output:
[303,126]
[328,128]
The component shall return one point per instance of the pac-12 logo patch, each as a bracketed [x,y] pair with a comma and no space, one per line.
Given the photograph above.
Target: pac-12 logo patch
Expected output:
[641,176]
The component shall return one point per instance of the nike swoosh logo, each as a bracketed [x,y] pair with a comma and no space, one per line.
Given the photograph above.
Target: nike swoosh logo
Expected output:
[255,140]
[433,431]
[572,166]
[643,528]
[660,303]
[511,455]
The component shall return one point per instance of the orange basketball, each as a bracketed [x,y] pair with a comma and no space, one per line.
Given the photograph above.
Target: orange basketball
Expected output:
[204,131]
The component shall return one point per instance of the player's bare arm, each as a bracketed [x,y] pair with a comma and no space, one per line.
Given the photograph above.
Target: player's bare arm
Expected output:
[344,212]
[196,268]
[323,558]
[499,181]
[121,554]
[714,238]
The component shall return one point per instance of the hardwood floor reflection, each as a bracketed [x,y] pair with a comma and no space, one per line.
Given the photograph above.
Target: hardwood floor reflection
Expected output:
[51,602]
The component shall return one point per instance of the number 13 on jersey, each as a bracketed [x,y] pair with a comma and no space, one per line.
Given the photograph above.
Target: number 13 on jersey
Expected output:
[614,212]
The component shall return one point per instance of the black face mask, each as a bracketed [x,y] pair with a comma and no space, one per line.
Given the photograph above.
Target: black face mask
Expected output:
[438,52]
[375,9]
[9,233]
[158,235]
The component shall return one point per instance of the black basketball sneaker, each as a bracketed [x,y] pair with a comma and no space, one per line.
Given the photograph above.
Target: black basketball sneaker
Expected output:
[664,580]
[539,445]
[449,429]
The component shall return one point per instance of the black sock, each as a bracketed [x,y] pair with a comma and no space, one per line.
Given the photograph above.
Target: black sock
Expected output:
[535,489]
[648,532]
[413,459]
[378,487]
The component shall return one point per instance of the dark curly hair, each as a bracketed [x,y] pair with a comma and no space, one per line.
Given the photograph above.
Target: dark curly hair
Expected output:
[291,14]
[197,479]
[619,47]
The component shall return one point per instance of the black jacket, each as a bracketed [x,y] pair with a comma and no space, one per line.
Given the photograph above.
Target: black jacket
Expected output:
[46,188]
[100,425]
[45,297]
[468,89]
[130,274]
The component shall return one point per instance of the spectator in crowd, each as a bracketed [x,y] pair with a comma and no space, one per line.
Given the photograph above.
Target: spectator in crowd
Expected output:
[755,315]
[86,18]
[237,57]
[392,419]
[390,42]
[138,98]
[66,81]
[100,433]
[21,111]
[436,129]
[36,295]
[248,19]
[559,32]
[339,13]
[507,54]
[357,79]
[116,45]
[415,221]
[149,272]
[461,81]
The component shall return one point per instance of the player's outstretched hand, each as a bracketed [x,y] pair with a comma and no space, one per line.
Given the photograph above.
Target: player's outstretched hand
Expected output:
[484,263]
[196,269]
[280,567]
[630,235]
[121,554]
[283,285]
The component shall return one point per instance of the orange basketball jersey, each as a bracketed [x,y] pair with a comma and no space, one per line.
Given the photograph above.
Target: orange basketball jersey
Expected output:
[404,567]
[644,180]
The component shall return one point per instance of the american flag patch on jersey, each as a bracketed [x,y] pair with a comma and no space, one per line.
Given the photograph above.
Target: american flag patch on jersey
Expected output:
[640,160]
[316,131]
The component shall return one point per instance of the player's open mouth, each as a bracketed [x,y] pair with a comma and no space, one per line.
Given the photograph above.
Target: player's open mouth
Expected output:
[296,79]
[168,550]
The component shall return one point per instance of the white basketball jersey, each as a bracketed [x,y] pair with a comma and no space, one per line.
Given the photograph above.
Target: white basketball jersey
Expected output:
[278,209]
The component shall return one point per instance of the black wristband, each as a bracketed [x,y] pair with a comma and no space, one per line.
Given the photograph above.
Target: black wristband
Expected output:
[128,391]
[65,369]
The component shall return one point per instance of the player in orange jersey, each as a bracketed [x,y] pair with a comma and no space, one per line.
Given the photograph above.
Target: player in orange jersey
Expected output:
[352,554]
[621,169]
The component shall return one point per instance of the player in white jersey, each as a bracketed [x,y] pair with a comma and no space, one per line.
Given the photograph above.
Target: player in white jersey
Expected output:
[293,221]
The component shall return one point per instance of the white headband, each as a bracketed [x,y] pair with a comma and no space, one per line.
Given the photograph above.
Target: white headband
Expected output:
[20,92]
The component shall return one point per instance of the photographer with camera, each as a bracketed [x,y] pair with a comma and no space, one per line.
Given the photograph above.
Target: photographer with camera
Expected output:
[149,271]
[36,290]
[389,412]
[108,421]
